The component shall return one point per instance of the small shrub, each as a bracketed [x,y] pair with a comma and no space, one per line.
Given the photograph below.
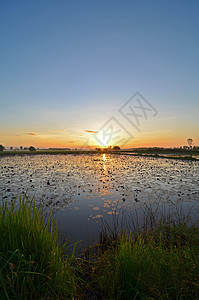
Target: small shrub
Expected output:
[31,148]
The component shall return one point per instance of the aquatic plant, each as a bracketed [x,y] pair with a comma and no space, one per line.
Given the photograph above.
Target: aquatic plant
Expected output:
[158,260]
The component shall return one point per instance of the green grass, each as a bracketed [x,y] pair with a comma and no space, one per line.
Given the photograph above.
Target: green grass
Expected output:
[161,265]
[162,262]
[32,265]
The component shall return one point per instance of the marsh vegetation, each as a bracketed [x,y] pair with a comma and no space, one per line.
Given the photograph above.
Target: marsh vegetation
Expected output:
[159,262]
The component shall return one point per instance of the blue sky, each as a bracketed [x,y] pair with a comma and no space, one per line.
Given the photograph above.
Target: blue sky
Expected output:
[68,66]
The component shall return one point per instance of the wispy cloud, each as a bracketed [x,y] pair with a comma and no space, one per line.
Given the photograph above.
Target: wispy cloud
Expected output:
[32,133]
[91,131]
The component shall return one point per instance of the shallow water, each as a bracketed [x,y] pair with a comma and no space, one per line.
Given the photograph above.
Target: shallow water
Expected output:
[85,189]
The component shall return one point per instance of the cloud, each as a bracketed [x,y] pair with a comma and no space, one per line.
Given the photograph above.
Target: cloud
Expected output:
[91,131]
[32,133]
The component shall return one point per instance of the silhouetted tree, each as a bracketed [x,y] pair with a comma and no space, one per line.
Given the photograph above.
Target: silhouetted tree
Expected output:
[11,148]
[31,148]
[116,148]
[2,148]
[21,147]
[190,142]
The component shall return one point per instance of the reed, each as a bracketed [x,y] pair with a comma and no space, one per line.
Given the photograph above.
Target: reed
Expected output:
[158,260]
[32,264]
[157,257]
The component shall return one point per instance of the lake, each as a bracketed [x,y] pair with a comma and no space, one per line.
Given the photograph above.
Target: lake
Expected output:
[84,189]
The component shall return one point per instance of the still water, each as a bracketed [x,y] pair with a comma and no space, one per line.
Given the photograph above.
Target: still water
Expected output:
[83,190]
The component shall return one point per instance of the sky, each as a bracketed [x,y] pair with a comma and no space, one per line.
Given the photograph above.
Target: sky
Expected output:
[99,73]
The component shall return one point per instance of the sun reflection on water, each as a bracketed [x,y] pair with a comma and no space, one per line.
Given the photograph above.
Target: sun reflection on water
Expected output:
[104,157]
[104,161]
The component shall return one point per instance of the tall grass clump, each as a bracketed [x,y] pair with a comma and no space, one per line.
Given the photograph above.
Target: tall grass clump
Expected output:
[164,264]
[32,265]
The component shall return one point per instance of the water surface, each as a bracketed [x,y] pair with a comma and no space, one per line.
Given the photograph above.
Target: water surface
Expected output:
[85,189]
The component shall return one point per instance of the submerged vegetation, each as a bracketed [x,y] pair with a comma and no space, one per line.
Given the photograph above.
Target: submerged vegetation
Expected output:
[160,262]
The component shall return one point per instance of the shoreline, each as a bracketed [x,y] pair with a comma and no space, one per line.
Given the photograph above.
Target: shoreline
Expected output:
[139,153]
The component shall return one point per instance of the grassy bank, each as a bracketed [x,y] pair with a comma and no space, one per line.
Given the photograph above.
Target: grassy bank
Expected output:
[173,154]
[158,263]
[32,265]
[48,152]
[165,151]
[190,158]
[162,265]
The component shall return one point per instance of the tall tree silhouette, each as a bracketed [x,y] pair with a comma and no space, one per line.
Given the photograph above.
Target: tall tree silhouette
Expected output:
[190,142]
